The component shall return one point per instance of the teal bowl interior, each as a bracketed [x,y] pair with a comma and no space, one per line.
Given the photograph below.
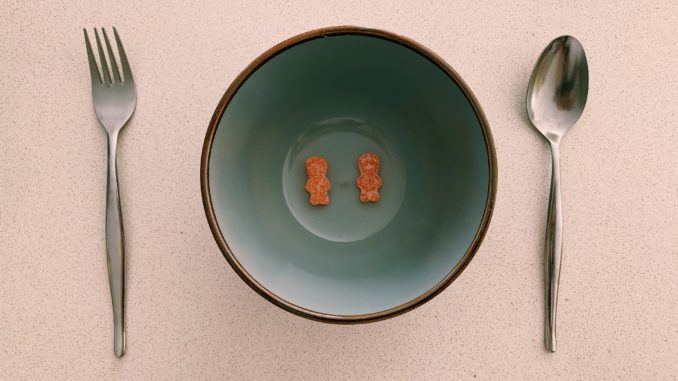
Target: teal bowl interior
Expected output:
[338,97]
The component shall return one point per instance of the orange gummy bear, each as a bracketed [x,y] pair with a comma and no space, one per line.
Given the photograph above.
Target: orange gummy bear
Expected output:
[369,181]
[318,184]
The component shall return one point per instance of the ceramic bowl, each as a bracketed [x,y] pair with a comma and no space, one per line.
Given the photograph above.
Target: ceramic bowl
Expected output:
[338,93]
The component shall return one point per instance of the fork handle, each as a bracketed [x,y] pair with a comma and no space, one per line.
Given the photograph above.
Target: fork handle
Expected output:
[553,251]
[115,248]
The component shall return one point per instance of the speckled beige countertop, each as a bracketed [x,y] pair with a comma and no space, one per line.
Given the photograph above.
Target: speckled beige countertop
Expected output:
[190,316]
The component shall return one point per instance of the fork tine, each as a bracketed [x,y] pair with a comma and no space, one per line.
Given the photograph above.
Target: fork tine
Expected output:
[102,58]
[93,69]
[126,71]
[111,57]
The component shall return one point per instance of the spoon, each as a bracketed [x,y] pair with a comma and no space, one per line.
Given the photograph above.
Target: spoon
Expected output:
[556,96]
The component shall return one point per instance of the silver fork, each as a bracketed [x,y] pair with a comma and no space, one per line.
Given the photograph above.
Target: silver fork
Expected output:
[114,100]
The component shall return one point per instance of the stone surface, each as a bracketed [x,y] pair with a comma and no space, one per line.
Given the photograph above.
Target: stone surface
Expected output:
[191,317]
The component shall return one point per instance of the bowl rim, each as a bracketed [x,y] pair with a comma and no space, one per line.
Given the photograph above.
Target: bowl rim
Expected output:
[211,216]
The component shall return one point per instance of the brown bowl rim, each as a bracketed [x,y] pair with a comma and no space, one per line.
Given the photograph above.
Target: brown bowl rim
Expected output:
[214,225]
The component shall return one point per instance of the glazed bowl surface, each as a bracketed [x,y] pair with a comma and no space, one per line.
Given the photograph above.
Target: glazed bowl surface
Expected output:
[338,93]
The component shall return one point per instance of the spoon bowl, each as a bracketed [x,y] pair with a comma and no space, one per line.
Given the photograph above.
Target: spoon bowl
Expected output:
[558,88]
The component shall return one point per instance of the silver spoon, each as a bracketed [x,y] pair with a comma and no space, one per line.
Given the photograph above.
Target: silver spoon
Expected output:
[556,97]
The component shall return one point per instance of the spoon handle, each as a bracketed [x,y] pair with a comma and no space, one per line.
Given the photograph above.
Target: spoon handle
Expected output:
[553,251]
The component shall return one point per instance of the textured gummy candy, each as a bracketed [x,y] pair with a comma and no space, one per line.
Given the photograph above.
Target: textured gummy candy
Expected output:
[318,184]
[369,181]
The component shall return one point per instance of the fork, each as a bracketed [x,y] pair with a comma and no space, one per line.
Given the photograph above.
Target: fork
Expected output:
[114,101]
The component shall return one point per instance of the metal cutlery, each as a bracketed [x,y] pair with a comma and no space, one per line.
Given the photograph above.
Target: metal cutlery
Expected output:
[114,98]
[556,96]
